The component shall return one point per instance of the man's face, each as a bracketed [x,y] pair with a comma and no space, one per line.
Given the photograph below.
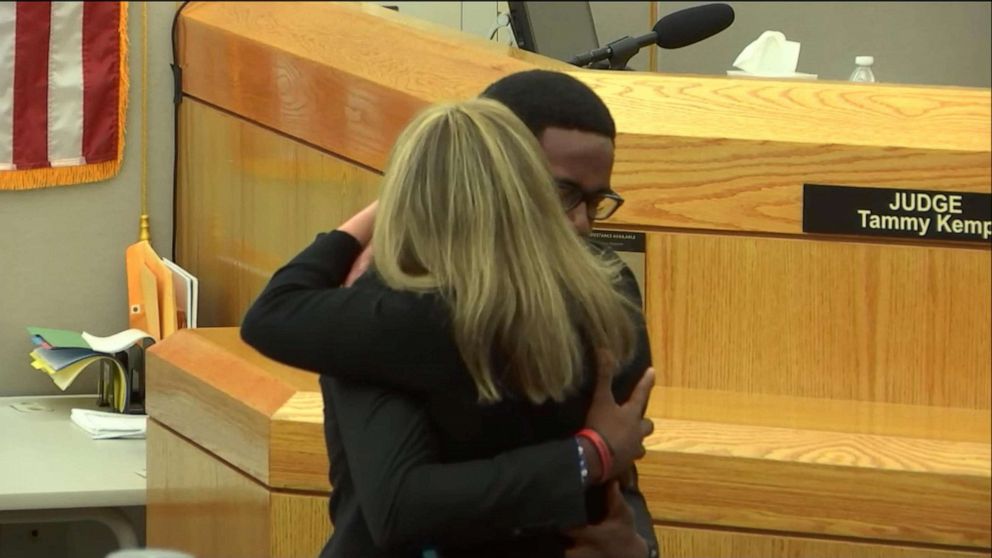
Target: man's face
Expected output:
[584,160]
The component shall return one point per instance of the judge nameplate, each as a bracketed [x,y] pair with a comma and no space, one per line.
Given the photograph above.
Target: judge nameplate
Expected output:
[918,214]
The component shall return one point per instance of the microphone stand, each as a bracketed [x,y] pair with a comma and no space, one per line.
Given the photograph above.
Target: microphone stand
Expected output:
[605,65]
[703,22]
[621,51]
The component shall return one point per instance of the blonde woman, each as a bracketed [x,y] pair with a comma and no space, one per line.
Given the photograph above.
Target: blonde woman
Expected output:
[486,309]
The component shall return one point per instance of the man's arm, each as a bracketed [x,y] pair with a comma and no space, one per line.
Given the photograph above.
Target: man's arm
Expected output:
[623,385]
[614,536]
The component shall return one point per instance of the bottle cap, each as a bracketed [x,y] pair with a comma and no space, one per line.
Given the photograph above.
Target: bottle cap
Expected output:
[864,60]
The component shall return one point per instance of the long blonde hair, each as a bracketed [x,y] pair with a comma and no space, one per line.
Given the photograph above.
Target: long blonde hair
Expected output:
[468,209]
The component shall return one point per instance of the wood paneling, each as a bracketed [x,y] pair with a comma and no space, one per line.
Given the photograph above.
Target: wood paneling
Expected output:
[298,455]
[729,154]
[947,424]
[823,447]
[724,154]
[300,525]
[806,386]
[693,152]
[842,468]
[850,485]
[198,410]
[212,388]
[203,506]
[873,482]
[687,542]
[192,497]
[751,185]
[796,111]
[250,199]
[836,320]
[288,71]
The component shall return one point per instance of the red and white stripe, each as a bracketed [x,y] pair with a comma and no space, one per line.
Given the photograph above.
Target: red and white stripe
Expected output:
[59,83]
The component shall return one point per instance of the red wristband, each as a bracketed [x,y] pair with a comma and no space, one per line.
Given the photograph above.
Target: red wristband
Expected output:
[602,450]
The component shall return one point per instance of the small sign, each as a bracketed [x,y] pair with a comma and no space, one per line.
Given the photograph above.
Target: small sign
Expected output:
[919,214]
[620,241]
[629,246]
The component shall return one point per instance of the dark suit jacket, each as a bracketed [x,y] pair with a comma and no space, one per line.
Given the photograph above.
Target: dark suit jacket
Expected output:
[416,461]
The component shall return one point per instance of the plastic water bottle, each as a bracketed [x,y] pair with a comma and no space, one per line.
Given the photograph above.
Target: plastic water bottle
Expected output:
[863,72]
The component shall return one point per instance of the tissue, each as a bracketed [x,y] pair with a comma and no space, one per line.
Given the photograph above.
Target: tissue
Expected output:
[770,55]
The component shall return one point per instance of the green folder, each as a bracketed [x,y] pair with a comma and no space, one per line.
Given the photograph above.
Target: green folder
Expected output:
[60,338]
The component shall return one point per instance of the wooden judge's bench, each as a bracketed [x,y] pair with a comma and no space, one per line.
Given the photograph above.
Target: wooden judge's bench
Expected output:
[818,395]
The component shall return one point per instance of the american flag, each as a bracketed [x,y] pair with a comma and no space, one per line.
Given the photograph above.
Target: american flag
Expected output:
[63,91]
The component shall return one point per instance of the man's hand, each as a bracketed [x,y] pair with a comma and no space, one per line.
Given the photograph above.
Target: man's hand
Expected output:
[614,537]
[623,427]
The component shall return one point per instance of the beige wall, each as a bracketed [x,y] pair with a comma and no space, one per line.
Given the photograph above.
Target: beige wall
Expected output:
[935,43]
[471,17]
[62,249]
[619,19]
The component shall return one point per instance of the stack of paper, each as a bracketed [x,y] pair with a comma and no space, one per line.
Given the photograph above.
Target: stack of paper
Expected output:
[116,342]
[187,292]
[109,425]
[64,354]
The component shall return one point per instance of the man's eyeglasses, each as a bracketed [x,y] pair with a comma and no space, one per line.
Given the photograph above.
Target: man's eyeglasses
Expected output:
[600,204]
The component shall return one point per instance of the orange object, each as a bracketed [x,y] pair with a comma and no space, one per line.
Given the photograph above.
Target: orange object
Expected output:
[150,293]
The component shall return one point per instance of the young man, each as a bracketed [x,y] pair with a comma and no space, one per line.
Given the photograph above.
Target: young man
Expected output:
[575,130]
[577,133]
[380,442]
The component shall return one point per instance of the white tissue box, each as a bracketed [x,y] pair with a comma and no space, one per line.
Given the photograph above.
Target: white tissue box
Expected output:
[793,75]
[769,56]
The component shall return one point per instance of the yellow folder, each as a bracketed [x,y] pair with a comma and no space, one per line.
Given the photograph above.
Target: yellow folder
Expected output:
[150,293]
[66,376]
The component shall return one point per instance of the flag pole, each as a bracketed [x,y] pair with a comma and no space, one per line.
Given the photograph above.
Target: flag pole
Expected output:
[150,294]
[144,229]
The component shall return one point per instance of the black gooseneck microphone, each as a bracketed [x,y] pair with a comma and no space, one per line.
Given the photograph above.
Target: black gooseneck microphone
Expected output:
[675,30]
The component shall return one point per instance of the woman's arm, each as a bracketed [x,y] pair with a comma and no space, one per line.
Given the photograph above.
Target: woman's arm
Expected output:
[303,318]
[361,224]
[409,499]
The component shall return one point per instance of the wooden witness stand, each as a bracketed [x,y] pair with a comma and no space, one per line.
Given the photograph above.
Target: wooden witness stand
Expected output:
[817,396]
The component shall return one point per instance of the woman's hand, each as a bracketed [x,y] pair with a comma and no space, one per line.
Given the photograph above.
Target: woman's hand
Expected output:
[360,224]
[360,265]
[622,427]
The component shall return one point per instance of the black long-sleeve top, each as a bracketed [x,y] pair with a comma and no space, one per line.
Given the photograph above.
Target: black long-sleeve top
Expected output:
[416,461]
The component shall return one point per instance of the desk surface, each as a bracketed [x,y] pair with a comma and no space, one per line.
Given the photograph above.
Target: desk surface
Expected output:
[48,462]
